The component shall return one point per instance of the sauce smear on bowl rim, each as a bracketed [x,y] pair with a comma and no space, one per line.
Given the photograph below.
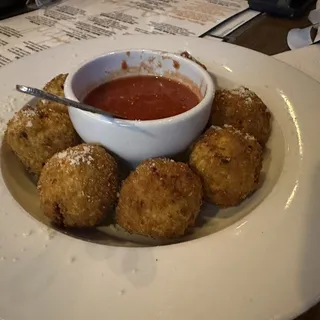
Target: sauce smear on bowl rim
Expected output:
[143,97]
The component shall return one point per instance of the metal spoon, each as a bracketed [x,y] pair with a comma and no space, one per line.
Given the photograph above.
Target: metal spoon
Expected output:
[52,97]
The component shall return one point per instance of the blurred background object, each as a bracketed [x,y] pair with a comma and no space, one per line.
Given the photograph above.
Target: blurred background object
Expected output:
[284,8]
[10,8]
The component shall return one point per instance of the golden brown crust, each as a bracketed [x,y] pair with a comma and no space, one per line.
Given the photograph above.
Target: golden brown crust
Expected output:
[78,187]
[229,164]
[55,86]
[244,110]
[160,199]
[35,135]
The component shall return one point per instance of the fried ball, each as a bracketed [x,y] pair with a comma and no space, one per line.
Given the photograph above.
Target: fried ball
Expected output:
[229,164]
[55,86]
[160,199]
[78,187]
[244,110]
[35,135]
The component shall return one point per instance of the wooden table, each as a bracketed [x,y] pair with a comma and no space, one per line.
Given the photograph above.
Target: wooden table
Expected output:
[268,35]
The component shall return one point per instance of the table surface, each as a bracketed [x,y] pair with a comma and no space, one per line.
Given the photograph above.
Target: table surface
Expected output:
[268,35]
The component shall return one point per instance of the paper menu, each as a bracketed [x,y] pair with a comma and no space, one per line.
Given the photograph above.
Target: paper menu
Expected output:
[73,20]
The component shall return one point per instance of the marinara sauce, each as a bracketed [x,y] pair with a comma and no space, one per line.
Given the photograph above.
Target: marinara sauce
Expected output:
[143,97]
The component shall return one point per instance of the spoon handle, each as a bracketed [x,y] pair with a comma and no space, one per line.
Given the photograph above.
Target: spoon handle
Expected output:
[51,97]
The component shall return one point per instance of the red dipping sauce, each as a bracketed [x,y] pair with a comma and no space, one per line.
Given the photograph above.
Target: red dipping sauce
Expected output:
[143,97]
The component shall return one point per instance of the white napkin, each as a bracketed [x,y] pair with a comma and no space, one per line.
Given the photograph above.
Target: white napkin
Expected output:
[299,38]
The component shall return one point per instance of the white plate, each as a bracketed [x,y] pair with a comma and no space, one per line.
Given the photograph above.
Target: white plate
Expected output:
[264,266]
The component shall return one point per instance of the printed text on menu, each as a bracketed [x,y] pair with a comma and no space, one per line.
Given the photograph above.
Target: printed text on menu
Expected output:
[85,19]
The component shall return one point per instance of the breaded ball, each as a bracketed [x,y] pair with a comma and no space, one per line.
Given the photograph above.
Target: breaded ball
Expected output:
[35,135]
[244,110]
[229,164]
[160,199]
[55,86]
[78,187]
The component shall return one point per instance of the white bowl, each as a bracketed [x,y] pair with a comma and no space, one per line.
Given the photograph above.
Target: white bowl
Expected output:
[135,141]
